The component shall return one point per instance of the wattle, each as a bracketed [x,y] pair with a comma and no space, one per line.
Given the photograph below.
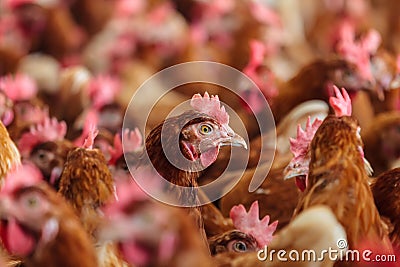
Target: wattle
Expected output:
[15,239]
[208,157]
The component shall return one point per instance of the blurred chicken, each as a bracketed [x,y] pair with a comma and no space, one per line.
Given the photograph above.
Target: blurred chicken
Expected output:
[382,142]
[27,108]
[46,147]
[37,224]
[338,168]
[9,153]
[150,233]
[86,183]
[386,196]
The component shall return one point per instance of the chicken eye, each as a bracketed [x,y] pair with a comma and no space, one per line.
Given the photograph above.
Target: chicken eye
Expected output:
[31,200]
[205,129]
[240,246]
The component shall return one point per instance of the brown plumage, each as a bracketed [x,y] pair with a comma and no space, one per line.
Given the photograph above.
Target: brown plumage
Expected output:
[277,197]
[382,141]
[86,183]
[337,178]
[9,154]
[387,199]
[50,157]
[310,83]
[67,245]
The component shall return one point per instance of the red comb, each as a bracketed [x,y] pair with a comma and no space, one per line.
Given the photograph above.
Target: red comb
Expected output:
[103,89]
[341,103]
[21,176]
[132,141]
[19,87]
[398,64]
[263,14]
[299,146]
[358,52]
[48,130]
[251,224]
[210,106]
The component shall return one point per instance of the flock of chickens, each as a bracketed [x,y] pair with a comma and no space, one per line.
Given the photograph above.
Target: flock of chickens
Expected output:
[330,71]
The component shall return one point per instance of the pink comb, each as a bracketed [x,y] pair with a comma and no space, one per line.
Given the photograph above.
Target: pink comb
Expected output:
[359,52]
[103,89]
[20,87]
[398,64]
[264,79]
[132,140]
[48,130]
[299,146]
[341,103]
[210,106]
[89,141]
[21,176]
[257,53]
[250,223]
[129,191]
[91,120]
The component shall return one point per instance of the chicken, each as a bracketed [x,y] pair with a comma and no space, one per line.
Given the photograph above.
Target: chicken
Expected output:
[338,168]
[45,146]
[38,225]
[28,109]
[86,183]
[386,196]
[201,132]
[306,232]
[382,141]
[150,233]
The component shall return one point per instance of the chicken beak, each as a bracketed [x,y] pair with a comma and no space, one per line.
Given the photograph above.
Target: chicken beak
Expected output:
[234,140]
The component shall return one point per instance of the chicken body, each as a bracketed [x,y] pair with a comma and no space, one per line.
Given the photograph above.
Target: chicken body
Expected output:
[337,178]
[387,199]
[45,230]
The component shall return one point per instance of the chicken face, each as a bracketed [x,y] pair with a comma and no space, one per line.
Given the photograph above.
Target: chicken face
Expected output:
[202,140]
[26,220]
[50,157]
[232,241]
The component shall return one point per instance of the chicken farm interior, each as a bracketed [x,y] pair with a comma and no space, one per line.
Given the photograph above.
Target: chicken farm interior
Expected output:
[204,133]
